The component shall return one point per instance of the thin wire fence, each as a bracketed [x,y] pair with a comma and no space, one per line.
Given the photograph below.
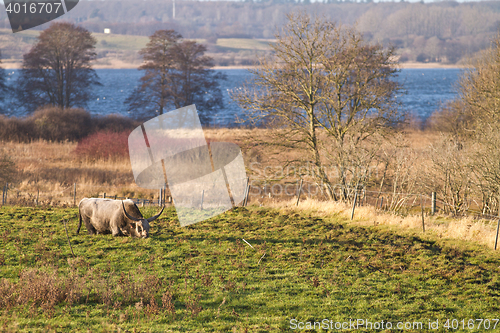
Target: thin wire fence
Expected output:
[258,193]
[71,195]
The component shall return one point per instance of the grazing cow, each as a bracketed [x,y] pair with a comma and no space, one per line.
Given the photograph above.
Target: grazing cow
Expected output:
[118,217]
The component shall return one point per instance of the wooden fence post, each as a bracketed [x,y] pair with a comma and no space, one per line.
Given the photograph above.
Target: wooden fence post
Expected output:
[433,209]
[498,227]
[74,194]
[245,194]
[202,197]
[245,201]
[37,196]
[298,193]
[422,209]
[354,204]
[496,238]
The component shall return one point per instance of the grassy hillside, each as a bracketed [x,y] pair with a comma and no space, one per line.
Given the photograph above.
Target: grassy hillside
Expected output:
[439,31]
[114,50]
[443,32]
[205,278]
[243,44]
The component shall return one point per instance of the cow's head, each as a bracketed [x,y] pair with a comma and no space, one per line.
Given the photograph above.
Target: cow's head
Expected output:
[140,227]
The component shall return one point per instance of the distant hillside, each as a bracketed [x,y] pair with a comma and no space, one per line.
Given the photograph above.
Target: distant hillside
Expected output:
[435,32]
[121,51]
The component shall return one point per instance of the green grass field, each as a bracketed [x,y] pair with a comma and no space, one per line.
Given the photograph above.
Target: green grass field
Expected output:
[21,42]
[120,42]
[239,44]
[205,278]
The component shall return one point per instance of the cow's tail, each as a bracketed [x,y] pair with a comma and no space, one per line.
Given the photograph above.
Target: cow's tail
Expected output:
[80,223]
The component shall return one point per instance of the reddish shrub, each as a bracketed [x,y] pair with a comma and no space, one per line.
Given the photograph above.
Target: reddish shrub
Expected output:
[105,145]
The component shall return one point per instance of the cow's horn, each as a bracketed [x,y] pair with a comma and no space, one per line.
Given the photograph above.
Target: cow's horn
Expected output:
[152,218]
[130,217]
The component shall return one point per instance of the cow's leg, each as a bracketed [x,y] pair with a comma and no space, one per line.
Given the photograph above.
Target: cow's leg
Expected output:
[115,231]
[90,228]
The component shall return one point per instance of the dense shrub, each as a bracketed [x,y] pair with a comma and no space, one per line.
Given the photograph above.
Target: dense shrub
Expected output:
[114,123]
[103,145]
[16,129]
[55,124]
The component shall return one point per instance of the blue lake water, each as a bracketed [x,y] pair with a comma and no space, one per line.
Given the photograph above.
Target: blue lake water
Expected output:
[426,91]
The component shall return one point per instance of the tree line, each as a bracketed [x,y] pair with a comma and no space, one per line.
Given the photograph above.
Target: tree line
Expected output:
[469,157]
[440,31]
[58,72]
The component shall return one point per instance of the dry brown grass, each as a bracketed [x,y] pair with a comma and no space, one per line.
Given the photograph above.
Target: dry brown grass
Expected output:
[421,139]
[52,167]
[251,141]
[42,155]
[465,228]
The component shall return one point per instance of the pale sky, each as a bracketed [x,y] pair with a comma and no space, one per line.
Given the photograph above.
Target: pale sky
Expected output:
[426,1]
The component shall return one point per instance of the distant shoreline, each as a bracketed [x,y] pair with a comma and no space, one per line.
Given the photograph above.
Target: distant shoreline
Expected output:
[428,65]
[117,64]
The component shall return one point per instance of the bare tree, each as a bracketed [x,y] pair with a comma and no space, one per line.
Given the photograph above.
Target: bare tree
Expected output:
[479,94]
[176,74]
[401,172]
[57,70]
[452,175]
[326,92]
